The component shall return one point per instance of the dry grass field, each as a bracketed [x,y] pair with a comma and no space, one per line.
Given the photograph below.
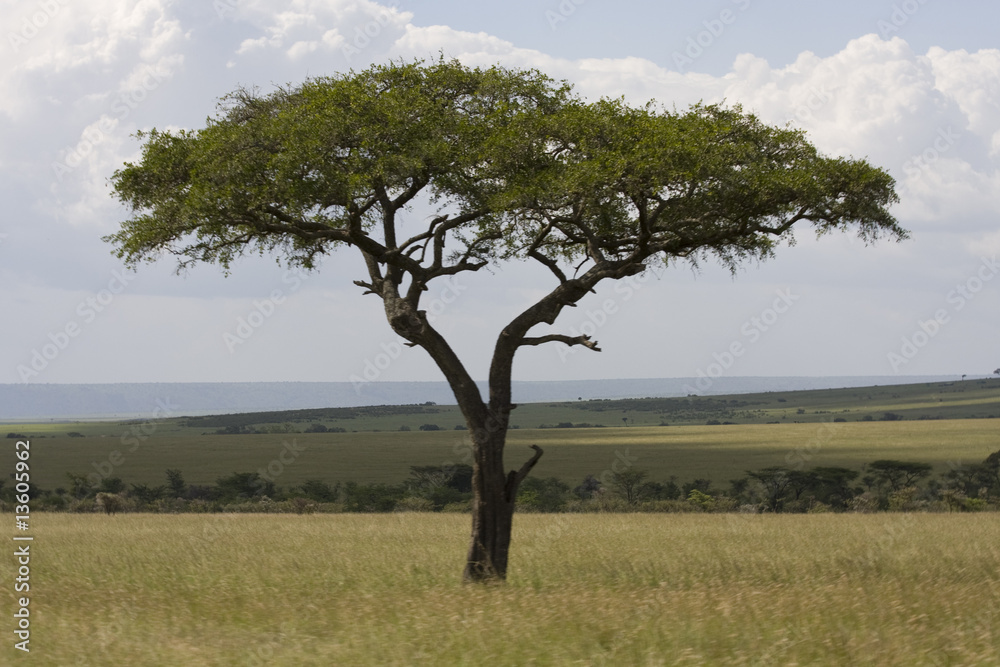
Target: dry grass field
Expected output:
[602,589]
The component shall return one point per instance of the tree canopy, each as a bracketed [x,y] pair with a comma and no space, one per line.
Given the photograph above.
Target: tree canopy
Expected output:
[519,168]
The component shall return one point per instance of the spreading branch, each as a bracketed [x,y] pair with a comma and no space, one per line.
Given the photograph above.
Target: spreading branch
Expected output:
[561,338]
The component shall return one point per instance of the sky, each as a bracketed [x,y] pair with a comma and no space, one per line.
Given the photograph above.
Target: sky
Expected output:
[912,86]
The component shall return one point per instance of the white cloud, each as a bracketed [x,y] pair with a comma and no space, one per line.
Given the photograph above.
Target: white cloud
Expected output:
[303,27]
[81,85]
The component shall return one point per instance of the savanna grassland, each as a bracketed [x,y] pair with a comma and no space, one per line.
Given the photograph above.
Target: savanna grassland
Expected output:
[881,588]
[598,589]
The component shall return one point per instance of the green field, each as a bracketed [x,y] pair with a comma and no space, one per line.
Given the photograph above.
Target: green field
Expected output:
[884,589]
[943,424]
[718,453]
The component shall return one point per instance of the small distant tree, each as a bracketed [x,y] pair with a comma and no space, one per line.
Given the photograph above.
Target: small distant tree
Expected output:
[775,481]
[111,503]
[660,491]
[628,484]
[243,486]
[800,482]
[738,487]
[833,485]
[587,488]
[79,486]
[897,475]
[146,494]
[175,482]
[113,485]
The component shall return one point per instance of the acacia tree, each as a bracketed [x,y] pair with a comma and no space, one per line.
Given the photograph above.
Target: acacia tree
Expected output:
[520,169]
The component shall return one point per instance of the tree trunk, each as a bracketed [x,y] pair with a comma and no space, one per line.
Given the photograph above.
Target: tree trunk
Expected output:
[492,511]
[493,496]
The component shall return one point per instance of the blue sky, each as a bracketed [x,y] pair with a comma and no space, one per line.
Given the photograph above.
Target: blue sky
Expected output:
[913,86]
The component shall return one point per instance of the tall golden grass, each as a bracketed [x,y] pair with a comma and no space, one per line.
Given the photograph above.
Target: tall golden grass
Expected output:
[883,589]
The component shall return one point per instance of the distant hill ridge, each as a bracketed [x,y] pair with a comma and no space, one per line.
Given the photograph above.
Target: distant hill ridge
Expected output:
[130,400]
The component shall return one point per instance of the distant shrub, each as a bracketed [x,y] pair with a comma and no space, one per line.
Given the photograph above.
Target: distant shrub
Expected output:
[319,491]
[110,503]
[703,485]
[54,503]
[371,497]
[542,495]
[113,485]
[866,503]
[462,507]
[430,427]
[701,500]
[83,505]
[412,504]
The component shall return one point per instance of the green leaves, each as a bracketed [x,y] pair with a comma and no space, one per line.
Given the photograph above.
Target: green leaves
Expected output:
[531,170]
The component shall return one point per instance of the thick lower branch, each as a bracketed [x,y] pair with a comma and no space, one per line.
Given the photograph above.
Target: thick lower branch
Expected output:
[514,479]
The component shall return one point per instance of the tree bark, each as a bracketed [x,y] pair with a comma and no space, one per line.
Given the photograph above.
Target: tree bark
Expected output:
[493,498]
